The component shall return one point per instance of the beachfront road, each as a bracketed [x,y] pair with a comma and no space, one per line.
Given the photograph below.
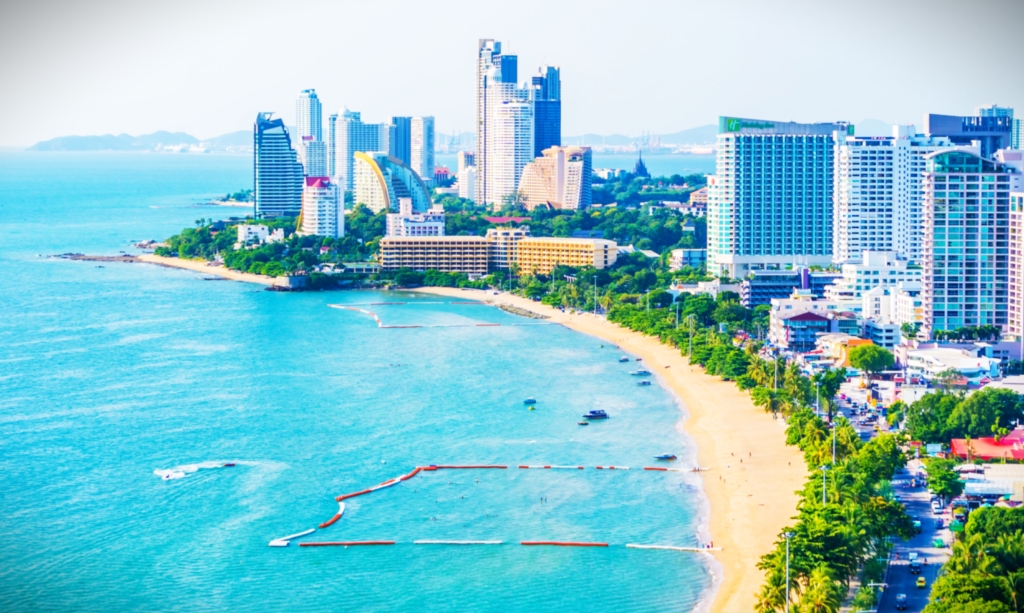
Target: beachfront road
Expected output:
[900,580]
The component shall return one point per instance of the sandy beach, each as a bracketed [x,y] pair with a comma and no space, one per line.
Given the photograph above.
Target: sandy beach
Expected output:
[205,268]
[753,475]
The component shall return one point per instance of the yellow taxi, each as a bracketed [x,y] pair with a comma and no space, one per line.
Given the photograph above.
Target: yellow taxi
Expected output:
[920,582]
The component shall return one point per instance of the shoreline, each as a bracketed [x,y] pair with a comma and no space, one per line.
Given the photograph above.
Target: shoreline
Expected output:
[749,502]
[204,267]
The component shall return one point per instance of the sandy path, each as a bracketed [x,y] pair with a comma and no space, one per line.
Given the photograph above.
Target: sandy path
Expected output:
[754,476]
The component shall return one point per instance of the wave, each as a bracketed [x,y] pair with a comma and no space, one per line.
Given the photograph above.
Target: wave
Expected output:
[180,472]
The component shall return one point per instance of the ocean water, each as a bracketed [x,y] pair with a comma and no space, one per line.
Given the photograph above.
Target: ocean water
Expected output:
[111,372]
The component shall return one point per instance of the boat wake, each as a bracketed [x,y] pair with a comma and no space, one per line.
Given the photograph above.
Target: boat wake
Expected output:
[180,472]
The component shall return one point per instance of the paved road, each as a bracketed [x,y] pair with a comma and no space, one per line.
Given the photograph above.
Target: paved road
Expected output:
[918,503]
[900,580]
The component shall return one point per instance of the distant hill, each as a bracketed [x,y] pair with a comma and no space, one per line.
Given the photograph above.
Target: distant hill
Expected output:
[232,140]
[121,142]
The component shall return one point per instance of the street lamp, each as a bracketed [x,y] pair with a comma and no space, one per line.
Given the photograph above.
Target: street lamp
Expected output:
[824,478]
[817,396]
[595,294]
[833,443]
[787,535]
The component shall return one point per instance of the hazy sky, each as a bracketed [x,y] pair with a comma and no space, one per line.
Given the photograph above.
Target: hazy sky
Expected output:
[207,67]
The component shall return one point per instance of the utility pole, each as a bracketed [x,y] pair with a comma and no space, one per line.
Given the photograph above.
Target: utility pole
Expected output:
[787,535]
[677,316]
[595,294]
[817,397]
[776,387]
[833,444]
[824,477]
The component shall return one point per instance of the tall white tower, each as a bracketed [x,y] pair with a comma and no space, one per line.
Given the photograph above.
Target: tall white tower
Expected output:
[422,147]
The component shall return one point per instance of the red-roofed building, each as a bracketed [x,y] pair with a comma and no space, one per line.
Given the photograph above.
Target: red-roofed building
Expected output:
[506,219]
[800,332]
[1010,447]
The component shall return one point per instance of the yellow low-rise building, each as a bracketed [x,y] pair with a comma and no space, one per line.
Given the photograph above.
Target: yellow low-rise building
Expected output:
[540,255]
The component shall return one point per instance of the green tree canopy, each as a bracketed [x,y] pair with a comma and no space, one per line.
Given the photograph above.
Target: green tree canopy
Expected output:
[871,359]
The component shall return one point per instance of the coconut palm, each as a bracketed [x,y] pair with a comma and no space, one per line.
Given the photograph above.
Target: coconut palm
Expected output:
[772,596]
[823,595]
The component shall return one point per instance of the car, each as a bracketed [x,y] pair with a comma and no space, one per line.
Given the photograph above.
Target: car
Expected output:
[901,602]
[912,556]
[936,506]
[917,526]
[915,567]
[897,499]
[920,582]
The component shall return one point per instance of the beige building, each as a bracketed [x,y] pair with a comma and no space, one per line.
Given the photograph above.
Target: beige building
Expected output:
[699,196]
[468,254]
[502,250]
[560,179]
[540,255]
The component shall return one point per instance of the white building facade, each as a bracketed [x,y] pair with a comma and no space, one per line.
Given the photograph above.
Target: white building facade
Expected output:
[878,193]
[874,269]
[323,208]
[467,183]
[422,147]
[352,135]
[407,223]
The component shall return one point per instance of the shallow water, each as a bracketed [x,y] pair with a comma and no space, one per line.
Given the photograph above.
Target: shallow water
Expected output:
[110,373]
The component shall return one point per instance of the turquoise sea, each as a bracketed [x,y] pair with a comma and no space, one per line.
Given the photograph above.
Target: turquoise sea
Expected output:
[111,372]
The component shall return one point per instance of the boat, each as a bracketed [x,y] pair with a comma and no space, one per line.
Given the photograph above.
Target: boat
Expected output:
[230,464]
[638,359]
[583,423]
[641,373]
[530,400]
[644,382]
[623,359]
[665,456]
[596,414]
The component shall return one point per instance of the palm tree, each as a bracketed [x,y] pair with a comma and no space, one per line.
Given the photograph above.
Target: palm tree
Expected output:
[771,400]
[759,371]
[772,596]
[824,594]
[969,556]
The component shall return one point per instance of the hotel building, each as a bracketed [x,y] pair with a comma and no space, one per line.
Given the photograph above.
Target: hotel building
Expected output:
[877,195]
[560,179]
[467,254]
[872,269]
[540,255]
[966,241]
[380,180]
[547,109]
[1016,272]
[351,136]
[323,208]
[407,223]
[770,200]
[277,173]
[309,134]
[421,147]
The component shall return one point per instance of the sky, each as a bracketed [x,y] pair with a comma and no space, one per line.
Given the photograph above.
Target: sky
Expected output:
[207,67]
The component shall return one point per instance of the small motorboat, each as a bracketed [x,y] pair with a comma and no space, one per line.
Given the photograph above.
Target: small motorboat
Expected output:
[530,400]
[230,464]
[644,382]
[596,414]
[623,359]
[665,456]
[583,423]
[641,373]
[639,359]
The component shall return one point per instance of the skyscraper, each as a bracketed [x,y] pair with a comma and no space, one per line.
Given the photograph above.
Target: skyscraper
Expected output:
[991,132]
[353,135]
[966,241]
[421,150]
[994,111]
[309,130]
[381,181]
[400,139]
[500,106]
[547,105]
[770,200]
[332,144]
[277,173]
[877,195]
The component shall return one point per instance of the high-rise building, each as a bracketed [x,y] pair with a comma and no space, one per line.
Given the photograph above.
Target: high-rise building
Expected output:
[314,157]
[1015,316]
[559,179]
[421,148]
[323,208]
[309,132]
[990,132]
[353,135]
[380,181]
[332,144]
[277,173]
[400,139]
[877,194]
[993,110]
[1016,138]
[770,200]
[467,183]
[504,124]
[466,158]
[547,109]
[307,115]
[966,241]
